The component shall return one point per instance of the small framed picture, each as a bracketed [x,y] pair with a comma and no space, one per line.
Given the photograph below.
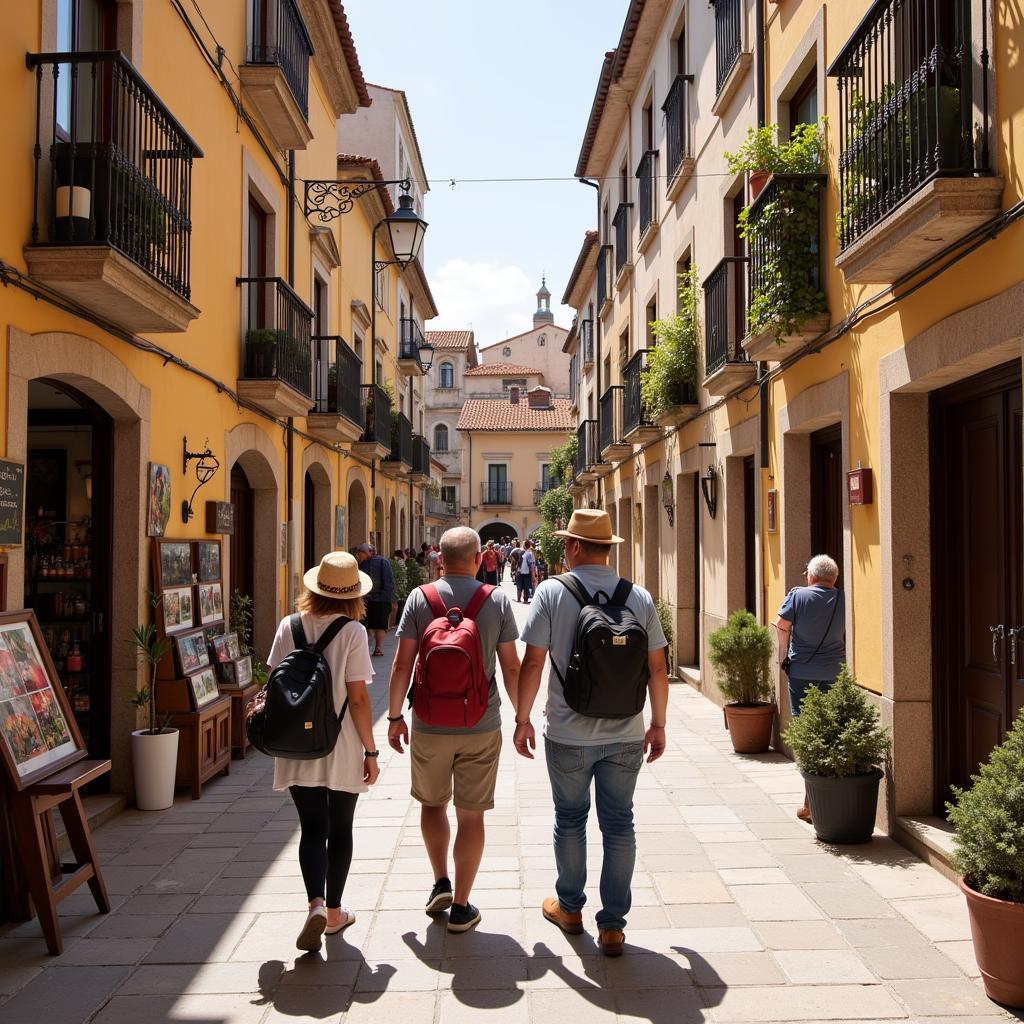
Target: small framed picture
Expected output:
[237,674]
[773,511]
[193,654]
[226,648]
[204,687]
[177,609]
[208,560]
[159,499]
[175,563]
[211,603]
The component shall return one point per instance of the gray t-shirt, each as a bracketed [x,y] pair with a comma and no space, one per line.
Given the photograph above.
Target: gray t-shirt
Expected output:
[551,623]
[495,622]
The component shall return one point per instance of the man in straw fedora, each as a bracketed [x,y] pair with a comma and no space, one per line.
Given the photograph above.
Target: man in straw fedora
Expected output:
[581,749]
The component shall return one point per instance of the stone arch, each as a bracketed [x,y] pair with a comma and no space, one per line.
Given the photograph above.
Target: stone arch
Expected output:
[252,450]
[99,375]
[358,527]
[319,468]
[392,528]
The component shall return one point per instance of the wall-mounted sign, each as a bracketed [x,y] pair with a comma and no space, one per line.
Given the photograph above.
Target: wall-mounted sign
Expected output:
[220,517]
[773,511]
[12,502]
[858,487]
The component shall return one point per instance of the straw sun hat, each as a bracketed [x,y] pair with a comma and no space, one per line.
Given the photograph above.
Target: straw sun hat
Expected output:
[338,576]
[591,525]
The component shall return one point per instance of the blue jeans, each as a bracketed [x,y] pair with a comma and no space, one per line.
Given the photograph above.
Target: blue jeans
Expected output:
[613,768]
[524,585]
[798,690]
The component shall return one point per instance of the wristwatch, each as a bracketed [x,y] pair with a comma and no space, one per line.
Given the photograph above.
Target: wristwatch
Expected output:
[371,753]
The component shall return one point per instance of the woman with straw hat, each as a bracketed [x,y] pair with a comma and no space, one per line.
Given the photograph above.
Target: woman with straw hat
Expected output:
[325,790]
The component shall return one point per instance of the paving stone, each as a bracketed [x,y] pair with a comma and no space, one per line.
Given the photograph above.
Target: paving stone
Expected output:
[200,1009]
[939,918]
[715,970]
[805,1003]
[824,966]
[199,979]
[107,952]
[200,938]
[908,962]
[63,994]
[799,935]
[943,996]
[500,1006]
[775,903]
[697,887]
[962,954]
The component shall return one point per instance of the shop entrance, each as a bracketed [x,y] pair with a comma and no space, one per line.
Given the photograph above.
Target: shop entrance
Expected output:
[68,540]
[495,531]
[976,559]
[827,494]
[243,542]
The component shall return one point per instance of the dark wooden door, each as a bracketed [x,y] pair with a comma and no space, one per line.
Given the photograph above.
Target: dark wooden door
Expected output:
[979,608]
[749,532]
[309,522]
[827,493]
[242,545]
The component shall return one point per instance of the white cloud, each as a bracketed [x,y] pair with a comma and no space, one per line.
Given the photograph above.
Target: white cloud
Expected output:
[495,300]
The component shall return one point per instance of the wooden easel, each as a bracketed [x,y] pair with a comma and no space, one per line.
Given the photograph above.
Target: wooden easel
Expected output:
[32,808]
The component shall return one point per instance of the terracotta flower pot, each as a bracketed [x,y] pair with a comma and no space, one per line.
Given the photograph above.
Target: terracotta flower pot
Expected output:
[996,928]
[750,727]
[758,180]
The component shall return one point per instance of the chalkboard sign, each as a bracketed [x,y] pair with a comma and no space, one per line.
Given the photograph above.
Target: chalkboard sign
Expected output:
[12,503]
[220,517]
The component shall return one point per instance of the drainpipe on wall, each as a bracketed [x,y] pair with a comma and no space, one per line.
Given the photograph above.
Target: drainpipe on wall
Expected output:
[290,487]
[763,380]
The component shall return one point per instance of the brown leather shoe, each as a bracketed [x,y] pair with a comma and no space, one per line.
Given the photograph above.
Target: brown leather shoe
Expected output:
[572,924]
[804,814]
[611,942]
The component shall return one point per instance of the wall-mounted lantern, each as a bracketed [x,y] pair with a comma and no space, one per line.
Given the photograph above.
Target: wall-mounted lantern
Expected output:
[668,498]
[206,467]
[709,488]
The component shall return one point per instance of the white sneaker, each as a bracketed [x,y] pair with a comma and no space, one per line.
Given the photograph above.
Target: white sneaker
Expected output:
[316,924]
[347,918]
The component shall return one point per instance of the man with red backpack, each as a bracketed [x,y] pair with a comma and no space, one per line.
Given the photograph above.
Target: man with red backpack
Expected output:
[452,634]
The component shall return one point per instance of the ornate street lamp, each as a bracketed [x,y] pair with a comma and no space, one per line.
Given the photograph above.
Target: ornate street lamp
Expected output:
[405,229]
[425,353]
[709,487]
[668,498]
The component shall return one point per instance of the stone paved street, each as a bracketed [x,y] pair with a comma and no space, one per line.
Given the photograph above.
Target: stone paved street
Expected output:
[739,915]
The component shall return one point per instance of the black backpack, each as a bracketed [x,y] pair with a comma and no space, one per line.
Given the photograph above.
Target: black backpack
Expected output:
[293,715]
[607,672]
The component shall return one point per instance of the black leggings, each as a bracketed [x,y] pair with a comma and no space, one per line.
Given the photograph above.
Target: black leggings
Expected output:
[325,849]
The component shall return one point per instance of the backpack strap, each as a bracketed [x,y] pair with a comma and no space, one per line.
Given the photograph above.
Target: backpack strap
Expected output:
[573,585]
[298,632]
[434,600]
[483,592]
[330,633]
[621,593]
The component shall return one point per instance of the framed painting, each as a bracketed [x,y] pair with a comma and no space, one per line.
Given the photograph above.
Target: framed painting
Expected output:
[38,732]
[159,499]
[177,609]
[173,563]
[203,685]
[226,648]
[211,603]
[208,558]
[237,674]
[193,653]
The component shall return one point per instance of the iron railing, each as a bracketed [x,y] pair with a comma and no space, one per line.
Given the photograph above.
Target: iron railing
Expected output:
[635,412]
[725,313]
[574,369]
[588,446]
[610,417]
[906,106]
[677,123]
[279,37]
[410,339]
[336,373]
[420,454]
[539,492]
[728,38]
[278,334]
[604,273]
[586,346]
[377,415]
[440,507]
[620,224]
[495,492]
[647,175]
[111,164]
[785,245]
[401,440]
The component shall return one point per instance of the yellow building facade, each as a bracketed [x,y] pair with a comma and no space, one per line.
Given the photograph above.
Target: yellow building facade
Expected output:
[163,282]
[884,427]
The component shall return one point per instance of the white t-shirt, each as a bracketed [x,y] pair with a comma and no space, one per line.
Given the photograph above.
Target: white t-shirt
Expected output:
[349,657]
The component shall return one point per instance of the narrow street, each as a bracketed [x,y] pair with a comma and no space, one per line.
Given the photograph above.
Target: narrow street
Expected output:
[739,915]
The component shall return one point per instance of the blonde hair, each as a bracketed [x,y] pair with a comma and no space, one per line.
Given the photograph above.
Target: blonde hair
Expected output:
[322,607]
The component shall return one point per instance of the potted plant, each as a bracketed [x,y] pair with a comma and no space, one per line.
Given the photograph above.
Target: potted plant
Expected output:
[240,621]
[741,652]
[839,745]
[261,345]
[989,855]
[155,749]
[762,155]
[668,383]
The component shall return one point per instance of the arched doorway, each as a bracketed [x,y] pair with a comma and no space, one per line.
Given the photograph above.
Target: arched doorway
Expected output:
[495,531]
[357,528]
[316,515]
[242,542]
[378,523]
[392,529]
[403,541]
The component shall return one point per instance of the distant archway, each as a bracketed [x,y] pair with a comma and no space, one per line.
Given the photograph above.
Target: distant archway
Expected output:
[378,523]
[392,529]
[357,526]
[403,537]
[495,531]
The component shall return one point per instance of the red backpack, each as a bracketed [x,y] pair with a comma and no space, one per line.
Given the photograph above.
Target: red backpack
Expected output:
[451,687]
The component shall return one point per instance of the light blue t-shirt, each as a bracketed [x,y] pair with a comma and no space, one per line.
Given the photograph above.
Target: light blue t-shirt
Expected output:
[551,624]
[809,609]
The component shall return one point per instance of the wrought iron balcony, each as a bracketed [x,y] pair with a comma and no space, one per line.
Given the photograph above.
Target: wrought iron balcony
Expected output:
[910,116]
[337,413]
[401,442]
[279,37]
[539,492]
[620,225]
[440,508]
[376,439]
[604,276]
[677,124]
[495,492]
[278,347]
[112,171]
[420,457]
[647,175]
[728,38]
[610,419]
[588,451]
[574,372]
[410,337]
[725,316]
[586,346]
[638,424]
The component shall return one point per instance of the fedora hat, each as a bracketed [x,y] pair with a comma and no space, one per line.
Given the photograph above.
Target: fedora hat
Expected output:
[338,576]
[591,525]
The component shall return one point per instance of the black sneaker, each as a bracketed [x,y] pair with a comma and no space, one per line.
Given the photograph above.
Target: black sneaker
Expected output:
[440,897]
[462,917]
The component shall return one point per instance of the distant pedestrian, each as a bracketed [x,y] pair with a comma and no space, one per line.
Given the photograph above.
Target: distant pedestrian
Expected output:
[594,725]
[489,561]
[325,790]
[526,574]
[380,602]
[433,563]
[812,637]
[456,718]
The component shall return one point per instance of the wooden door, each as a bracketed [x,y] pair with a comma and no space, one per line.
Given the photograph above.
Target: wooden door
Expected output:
[979,610]
[827,494]
[749,533]
[242,543]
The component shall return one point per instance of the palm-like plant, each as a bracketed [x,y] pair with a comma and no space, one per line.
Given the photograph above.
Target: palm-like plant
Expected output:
[151,649]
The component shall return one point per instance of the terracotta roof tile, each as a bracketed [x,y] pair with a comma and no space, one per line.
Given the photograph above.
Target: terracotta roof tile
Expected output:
[450,339]
[501,414]
[348,48]
[503,370]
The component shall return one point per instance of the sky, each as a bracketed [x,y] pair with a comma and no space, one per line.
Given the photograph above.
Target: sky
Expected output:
[496,90]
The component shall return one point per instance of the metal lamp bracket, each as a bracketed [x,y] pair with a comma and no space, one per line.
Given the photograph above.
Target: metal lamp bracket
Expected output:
[205,471]
[327,199]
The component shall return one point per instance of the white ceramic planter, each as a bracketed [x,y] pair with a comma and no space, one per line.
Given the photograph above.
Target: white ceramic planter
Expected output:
[155,763]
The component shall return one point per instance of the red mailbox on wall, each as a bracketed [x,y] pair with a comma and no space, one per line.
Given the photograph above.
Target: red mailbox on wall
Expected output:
[858,487]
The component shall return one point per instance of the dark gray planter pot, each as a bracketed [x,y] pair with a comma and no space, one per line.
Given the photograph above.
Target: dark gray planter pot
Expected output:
[843,809]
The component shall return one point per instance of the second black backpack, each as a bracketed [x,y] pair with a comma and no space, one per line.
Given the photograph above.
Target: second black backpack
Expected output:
[607,673]
[296,719]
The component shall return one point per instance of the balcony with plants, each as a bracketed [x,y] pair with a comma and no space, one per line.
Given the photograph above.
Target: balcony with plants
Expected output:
[275,74]
[337,413]
[782,229]
[678,136]
[277,350]
[588,465]
[375,440]
[111,192]
[638,424]
[438,508]
[398,461]
[914,167]
[613,445]
[410,339]
[726,365]
[420,459]
[668,377]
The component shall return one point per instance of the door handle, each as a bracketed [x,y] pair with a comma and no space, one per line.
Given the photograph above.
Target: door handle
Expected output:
[1014,633]
[997,635]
